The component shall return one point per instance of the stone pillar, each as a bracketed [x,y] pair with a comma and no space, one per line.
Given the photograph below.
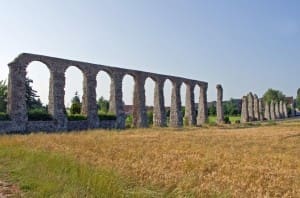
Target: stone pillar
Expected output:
[256,108]
[16,101]
[220,112]
[115,101]
[261,110]
[175,111]
[159,112]
[272,110]
[250,107]
[139,99]
[89,101]
[202,106]
[285,112]
[267,111]
[244,113]
[190,110]
[292,105]
[56,106]
[281,111]
[277,114]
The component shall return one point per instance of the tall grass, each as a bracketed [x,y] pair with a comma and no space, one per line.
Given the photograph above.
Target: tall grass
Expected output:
[190,162]
[45,174]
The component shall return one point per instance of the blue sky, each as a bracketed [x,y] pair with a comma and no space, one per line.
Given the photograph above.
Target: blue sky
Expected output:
[243,45]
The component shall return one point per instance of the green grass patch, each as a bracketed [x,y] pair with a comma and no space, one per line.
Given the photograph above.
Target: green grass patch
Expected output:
[232,119]
[45,174]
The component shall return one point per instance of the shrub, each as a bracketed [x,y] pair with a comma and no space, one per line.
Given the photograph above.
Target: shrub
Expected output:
[4,116]
[75,108]
[150,117]
[128,121]
[237,122]
[39,115]
[76,117]
[226,120]
[107,116]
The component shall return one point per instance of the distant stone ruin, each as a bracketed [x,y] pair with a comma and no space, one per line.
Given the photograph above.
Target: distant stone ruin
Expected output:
[18,112]
[255,109]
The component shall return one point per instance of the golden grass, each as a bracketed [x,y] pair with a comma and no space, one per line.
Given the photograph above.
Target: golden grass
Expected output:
[249,162]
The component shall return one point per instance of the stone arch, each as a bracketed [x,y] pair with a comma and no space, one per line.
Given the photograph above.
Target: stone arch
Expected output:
[196,97]
[128,81]
[39,83]
[74,76]
[183,88]
[167,89]
[103,79]
[149,88]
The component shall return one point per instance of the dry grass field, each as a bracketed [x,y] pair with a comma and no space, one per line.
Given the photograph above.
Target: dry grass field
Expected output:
[255,161]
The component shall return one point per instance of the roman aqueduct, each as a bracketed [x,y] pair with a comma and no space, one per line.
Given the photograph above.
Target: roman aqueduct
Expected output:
[18,112]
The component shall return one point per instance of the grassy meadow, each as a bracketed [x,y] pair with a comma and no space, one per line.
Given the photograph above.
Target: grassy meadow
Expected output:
[211,161]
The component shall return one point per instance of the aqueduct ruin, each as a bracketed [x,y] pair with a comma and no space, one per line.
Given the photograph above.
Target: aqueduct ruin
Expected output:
[18,112]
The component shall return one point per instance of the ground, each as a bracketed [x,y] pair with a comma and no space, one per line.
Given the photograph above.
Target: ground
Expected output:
[253,160]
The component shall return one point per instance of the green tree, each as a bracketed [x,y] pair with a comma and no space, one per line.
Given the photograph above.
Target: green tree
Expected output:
[76,104]
[298,99]
[272,94]
[3,95]
[32,99]
[76,98]
[212,111]
[103,105]
[150,117]
[231,108]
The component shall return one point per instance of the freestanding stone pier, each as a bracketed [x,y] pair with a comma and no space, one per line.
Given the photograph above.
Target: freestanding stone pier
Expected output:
[267,111]
[251,107]
[18,112]
[256,108]
[220,113]
[245,115]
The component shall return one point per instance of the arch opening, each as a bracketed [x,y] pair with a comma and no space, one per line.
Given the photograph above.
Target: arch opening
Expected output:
[149,96]
[168,85]
[103,92]
[37,91]
[128,89]
[74,93]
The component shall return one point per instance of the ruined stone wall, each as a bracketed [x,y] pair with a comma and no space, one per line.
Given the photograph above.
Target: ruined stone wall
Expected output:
[57,66]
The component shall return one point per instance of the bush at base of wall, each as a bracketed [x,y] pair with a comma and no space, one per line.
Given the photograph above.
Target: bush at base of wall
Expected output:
[39,115]
[4,116]
[106,116]
[76,117]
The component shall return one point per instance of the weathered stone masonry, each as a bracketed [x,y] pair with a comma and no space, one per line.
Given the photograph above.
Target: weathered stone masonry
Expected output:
[17,106]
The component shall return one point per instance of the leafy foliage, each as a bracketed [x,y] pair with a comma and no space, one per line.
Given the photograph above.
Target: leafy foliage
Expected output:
[212,110]
[272,94]
[103,105]
[3,95]
[4,116]
[298,99]
[231,108]
[32,99]
[40,114]
[76,117]
[76,104]
[75,108]
[150,117]
[106,116]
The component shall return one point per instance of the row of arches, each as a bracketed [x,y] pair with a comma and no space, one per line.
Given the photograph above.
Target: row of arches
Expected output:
[40,74]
